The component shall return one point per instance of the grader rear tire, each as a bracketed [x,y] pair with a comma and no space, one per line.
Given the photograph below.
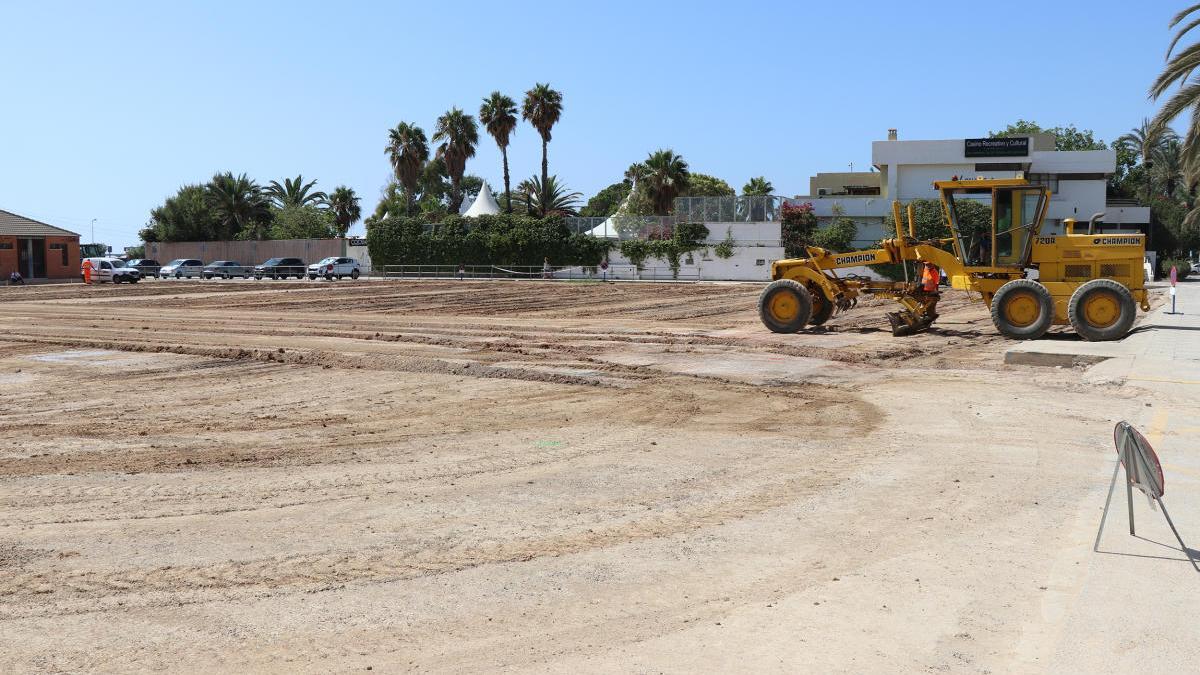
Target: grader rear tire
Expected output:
[1022,310]
[1101,309]
[785,306]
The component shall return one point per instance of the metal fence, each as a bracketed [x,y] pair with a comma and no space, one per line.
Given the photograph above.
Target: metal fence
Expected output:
[687,210]
[742,209]
[613,273]
[625,227]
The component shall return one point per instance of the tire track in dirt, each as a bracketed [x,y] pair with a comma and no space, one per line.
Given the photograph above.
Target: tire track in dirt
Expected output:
[81,590]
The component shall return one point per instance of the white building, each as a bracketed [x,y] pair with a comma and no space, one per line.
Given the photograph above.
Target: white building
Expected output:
[906,170]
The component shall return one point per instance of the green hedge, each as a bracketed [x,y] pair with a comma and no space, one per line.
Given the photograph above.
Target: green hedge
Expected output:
[496,240]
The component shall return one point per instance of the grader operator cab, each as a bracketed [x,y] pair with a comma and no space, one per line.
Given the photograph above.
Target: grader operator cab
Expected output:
[1091,281]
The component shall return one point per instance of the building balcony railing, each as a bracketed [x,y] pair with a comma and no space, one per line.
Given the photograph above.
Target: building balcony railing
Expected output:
[687,210]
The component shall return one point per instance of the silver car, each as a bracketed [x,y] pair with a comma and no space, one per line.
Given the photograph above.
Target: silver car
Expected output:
[225,269]
[182,267]
[334,267]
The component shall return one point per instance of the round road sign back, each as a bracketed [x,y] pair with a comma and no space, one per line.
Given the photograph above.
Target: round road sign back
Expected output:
[1141,464]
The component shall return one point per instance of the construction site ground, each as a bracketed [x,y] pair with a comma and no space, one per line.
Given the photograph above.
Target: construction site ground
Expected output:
[468,476]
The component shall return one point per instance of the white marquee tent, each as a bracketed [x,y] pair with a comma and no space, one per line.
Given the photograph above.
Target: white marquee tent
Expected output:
[485,204]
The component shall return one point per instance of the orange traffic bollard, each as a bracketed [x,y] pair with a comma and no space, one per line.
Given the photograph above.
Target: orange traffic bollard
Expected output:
[87,271]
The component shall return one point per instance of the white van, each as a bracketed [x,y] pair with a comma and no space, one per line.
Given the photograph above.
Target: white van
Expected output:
[111,269]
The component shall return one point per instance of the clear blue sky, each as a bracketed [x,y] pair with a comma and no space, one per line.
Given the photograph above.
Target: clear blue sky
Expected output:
[109,107]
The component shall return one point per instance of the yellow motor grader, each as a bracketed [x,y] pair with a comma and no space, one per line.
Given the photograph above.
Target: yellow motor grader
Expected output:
[1094,282]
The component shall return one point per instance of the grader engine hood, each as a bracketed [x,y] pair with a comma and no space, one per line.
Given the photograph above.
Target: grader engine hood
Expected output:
[1073,257]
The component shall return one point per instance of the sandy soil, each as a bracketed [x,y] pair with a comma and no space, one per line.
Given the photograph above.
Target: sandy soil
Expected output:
[460,476]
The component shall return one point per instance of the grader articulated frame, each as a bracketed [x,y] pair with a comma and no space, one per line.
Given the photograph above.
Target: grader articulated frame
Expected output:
[1090,281]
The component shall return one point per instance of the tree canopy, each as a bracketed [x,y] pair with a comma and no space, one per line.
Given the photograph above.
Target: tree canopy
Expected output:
[1065,137]
[302,222]
[704,185]
[236,207]
[605,202]
[758,187]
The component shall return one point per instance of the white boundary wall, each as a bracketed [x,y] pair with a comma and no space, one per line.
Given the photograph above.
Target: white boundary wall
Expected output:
[756,246]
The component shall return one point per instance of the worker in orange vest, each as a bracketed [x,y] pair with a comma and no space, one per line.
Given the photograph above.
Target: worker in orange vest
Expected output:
[87,271]
[931,277]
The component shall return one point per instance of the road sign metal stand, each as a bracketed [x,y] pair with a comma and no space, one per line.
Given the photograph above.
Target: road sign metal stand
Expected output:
[1129,501]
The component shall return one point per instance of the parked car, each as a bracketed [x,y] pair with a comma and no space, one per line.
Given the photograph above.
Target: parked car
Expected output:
[225,269]
[148,267]
[182,267]
[281,268]
[334,267]
[111,269]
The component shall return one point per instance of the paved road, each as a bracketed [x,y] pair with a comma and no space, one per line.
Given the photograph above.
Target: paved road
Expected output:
[1133,605]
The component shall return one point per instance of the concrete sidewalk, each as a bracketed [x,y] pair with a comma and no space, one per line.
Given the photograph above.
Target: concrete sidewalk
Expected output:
[1134,604]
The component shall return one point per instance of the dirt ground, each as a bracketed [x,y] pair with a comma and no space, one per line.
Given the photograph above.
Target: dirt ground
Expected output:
[460,476]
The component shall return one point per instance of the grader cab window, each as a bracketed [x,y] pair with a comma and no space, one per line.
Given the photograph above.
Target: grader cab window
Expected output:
[1016,221]
[995,228]
[971,222]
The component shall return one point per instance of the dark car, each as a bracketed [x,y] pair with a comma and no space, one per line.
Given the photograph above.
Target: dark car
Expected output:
[225,269]
[281,268]
[148,267]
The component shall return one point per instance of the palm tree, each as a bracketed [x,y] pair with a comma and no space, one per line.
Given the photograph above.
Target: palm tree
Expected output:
[1143,140]
[346,210]
[1168,167]
[549,198]
[237,202]
[408,151]
[294,192]
[542,108]
[758,187]
[1178,70]
[499,116]
[665,177]
[459,136]
[392,202]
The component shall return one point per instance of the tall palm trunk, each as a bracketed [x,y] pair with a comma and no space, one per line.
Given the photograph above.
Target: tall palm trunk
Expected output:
[456,196]
[507,190]
[545,164]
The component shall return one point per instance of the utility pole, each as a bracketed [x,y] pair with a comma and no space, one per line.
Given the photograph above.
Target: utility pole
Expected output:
[93,231]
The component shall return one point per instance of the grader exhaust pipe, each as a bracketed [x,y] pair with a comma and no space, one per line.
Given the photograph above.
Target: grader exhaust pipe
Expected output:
[1092,222]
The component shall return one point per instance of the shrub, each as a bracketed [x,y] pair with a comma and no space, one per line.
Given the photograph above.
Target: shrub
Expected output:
[839,236]
[691,233]
[498,240]
[636,250]
[686,237]
[799,223]
[1182,267]
[724,250]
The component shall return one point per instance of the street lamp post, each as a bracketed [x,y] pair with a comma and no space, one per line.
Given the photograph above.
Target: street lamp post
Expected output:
[93,230]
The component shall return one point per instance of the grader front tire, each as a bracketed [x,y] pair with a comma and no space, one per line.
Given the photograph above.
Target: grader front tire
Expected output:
[1101,309]
[822,309]
[1022,310]
[785,306]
